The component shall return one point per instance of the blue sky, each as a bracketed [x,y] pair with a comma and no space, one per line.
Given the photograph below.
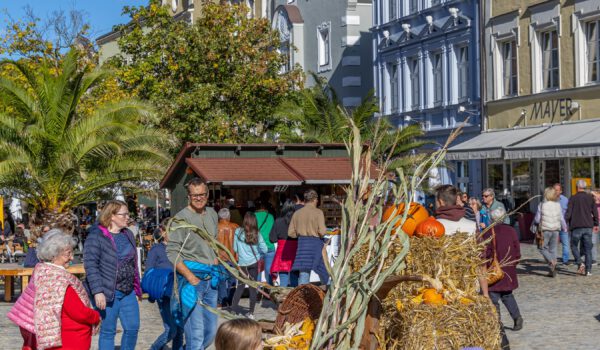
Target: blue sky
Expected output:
[100,14]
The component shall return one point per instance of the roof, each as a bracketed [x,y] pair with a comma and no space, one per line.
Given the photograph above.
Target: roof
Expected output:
[188,148]
[576,139]
[491,144]
[244,171]
[323,170]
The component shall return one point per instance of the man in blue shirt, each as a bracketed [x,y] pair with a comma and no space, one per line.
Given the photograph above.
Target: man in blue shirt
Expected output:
[564,236]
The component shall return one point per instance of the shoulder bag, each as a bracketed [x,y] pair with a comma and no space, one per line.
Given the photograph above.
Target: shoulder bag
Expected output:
[495,272]
[539,235]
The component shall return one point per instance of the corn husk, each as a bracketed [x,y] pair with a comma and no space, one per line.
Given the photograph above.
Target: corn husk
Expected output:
[295,337]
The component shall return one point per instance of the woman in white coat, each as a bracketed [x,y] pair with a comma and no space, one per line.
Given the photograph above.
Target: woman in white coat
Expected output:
[551,221]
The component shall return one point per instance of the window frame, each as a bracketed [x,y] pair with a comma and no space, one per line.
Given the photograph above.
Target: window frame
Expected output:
[595,62]
[324,47]
[551,82]
[415,83]
[513,77]
[462,68]
[437,74]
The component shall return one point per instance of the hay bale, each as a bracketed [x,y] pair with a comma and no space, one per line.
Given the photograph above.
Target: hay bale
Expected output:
[447,327]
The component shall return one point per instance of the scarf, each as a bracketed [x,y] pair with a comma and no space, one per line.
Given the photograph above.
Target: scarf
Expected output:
[450,212]
[51,284]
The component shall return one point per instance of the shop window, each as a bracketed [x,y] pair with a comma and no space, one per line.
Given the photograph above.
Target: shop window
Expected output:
[593,51]
[496,177]
[521,182]
[581,168]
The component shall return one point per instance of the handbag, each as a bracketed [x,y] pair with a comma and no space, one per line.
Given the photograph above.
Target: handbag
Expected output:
[495,272]
[539,235]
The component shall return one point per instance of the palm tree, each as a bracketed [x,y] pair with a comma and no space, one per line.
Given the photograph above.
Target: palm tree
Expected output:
[54,157]
[319,116]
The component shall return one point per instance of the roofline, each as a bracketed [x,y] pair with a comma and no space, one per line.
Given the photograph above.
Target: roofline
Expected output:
[189,147]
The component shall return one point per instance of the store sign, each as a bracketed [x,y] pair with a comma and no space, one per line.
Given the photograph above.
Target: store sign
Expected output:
[551,109]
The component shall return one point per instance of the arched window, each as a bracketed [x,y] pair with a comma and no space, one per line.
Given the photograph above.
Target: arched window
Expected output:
[282,23]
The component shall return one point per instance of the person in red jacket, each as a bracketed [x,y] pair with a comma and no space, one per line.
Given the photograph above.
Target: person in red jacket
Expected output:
[61,302]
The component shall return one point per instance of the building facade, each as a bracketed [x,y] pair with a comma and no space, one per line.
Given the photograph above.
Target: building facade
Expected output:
[542,68]
[426,68]
[328,38]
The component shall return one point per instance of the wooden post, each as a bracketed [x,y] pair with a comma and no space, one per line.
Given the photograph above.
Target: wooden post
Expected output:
[8,288]
[24,283]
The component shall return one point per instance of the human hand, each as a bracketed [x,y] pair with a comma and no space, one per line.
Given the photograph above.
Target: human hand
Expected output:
[100,301]
[595,229]
[194,281]
[96,328]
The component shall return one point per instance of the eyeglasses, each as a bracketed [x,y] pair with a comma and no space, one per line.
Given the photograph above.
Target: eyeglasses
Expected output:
[486,195]
[123,214]
[198,195]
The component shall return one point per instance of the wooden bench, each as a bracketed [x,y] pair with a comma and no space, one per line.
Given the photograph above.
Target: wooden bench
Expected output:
[10,271]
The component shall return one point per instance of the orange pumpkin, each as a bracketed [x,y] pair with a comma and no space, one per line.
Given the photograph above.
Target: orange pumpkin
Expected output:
[432,297]
[430,228]
[416,214]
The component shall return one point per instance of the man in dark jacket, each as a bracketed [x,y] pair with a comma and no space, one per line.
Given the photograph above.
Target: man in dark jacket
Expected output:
[582,219]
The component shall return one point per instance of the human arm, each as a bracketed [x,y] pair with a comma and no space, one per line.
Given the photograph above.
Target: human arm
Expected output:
[569,212]
[91,264]
[538,214]
[262,246]
[77,310]
[174,246]
[152,259]
[292,229]
[321,223]
[483,280]
[595,215]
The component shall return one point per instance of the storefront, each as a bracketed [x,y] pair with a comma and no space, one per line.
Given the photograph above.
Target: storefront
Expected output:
[536,141]
[243,172]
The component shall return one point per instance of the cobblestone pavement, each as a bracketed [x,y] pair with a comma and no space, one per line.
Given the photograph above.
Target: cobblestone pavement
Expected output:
[559,314]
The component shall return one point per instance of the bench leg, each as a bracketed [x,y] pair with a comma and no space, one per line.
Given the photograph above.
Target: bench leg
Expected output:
[24,283]
[8,288]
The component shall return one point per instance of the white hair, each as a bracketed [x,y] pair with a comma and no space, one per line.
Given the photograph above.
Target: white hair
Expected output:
[498,213]
[53,244]
[581,184]
[224,214]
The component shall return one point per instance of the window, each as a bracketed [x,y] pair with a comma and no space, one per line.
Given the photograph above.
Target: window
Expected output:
[393,9]
[413,6]
[283,25]
[437,78]
[323,36]
[414,81]
[463,72]
[549,41]
[394,91]
[593,51]
[509,68]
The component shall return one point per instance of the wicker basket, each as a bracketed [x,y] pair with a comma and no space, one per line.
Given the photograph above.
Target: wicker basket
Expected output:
[303,302]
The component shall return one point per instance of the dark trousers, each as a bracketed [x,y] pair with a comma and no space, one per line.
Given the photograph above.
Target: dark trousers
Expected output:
[585,236]
[508,299]
[252,272]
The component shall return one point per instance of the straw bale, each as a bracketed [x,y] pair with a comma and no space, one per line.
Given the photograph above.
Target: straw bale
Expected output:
[447,327]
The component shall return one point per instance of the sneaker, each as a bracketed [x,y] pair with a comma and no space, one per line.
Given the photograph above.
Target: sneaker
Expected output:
[553,272]
[250,316]
[518,324]
[581,269]
[588,273]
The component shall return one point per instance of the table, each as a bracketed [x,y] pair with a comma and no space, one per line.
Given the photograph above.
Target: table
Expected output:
[10,271]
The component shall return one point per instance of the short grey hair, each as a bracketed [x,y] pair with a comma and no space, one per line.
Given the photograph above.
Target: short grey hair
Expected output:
[53,244]
[224,214]
[311,195]
[497,214]
[490,191]
[581,184]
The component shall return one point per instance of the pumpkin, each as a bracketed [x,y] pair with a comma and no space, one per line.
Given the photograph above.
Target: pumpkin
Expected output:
[432,297]
[416,214]
[430,228]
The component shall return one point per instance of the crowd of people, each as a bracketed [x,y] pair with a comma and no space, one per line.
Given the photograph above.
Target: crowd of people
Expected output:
[284,250]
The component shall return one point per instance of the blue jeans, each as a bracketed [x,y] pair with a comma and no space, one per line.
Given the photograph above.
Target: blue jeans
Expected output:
[304,278]
[288,279]
[126,309]
[585,236]
[172,332]
[564,240]
[200,327]
[226,288]
[269,257]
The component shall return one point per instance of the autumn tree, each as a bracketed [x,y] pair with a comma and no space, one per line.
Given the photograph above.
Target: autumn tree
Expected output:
[216,80]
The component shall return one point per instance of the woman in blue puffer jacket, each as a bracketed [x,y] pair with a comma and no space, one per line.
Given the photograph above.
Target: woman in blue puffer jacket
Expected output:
[111,275]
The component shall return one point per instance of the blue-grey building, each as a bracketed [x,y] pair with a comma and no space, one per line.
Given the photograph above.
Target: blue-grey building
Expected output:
[331,38]
[426,68]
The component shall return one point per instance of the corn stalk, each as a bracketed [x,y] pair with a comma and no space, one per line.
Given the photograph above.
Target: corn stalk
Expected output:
[342,320]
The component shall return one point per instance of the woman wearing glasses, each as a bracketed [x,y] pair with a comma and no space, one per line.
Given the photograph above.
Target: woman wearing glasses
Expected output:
[111,268]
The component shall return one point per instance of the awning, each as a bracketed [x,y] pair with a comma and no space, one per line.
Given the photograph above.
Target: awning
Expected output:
[244,171]
[324,170]
[274,171]
[577,139]
[491,144]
